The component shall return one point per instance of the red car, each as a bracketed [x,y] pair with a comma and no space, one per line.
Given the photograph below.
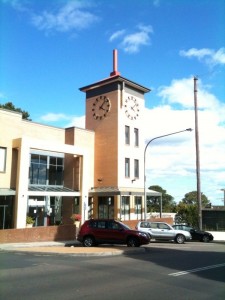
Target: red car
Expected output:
[101,231]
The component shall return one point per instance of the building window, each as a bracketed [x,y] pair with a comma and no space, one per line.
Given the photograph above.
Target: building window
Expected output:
[105,207]
[125,207]
[127,135]
[137,206]
[55,170]
[127,167]
[136,168]
[136,137]
[46,170]
[2,159]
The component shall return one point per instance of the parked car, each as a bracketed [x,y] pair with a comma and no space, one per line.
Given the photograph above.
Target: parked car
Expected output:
[163,231]
[197,235]
[100,231]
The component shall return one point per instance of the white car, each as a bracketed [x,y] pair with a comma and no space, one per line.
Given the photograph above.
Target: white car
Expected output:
[163,231]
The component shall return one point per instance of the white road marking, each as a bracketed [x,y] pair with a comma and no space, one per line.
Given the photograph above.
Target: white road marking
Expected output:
[196,270]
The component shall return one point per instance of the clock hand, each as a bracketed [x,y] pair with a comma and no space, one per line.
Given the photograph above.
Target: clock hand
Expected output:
[101,106]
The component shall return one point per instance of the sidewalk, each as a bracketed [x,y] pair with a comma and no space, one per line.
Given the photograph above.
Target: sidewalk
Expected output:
[70,247]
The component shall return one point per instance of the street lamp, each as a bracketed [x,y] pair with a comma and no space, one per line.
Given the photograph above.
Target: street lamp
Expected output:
[158,137]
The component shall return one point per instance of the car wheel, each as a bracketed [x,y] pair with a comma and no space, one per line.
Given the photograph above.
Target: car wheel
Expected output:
[205,239]
[88,241]
[133,242]
[180,239]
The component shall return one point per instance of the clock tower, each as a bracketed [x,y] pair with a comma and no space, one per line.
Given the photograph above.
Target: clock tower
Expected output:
[114,111]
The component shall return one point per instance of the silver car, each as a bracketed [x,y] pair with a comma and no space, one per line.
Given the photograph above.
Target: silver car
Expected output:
[163,231]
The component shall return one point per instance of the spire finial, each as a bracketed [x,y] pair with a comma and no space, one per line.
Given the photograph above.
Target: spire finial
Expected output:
[115,60]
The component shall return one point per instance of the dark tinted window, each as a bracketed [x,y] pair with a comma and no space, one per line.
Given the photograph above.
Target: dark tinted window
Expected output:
[113,225]
[102,224]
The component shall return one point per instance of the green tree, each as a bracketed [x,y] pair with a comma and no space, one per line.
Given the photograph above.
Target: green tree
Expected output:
[11,106]
[187,213]
[187,208]
[191,198]
[153,202]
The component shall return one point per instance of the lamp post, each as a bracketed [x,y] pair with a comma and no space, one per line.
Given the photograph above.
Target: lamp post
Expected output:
[158,137]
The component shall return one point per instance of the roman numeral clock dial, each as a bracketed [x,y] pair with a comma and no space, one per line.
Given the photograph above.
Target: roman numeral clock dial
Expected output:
[101,107]
[131,108]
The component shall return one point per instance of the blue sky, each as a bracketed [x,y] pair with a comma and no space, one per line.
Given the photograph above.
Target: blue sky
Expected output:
[49,49]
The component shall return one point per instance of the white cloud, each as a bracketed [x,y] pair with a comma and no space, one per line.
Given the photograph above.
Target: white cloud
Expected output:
[71,16]
[52,117]
[77,122]
[209,56]
[116,35]
[63,120]
[131,43]
[171,160]
[181,92]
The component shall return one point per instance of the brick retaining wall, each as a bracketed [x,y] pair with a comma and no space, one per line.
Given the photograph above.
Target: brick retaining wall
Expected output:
[38,234]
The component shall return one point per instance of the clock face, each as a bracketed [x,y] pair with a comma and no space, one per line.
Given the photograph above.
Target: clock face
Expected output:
[131,108]
[101,107]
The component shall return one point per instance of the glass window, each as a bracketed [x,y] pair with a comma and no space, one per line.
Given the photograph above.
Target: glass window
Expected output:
[127,167]
[127,135]
[2,159]
[137,206]
[46,170]
[163,226]
[125,207]
[105,207]
[136,168]
[136,137]
[38,169]
[102,224]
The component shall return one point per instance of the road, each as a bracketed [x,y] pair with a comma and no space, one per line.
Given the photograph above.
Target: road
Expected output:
[163,271]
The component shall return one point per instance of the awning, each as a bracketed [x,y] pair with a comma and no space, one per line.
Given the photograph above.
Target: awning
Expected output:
[49,189]
[115,191]
[7,192]
[52,191]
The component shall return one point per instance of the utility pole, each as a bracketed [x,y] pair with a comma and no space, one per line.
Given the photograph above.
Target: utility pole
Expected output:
[199,200]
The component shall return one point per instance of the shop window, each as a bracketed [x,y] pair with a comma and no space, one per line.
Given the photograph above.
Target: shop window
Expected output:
[106,207]
[125,207]
[138,206]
